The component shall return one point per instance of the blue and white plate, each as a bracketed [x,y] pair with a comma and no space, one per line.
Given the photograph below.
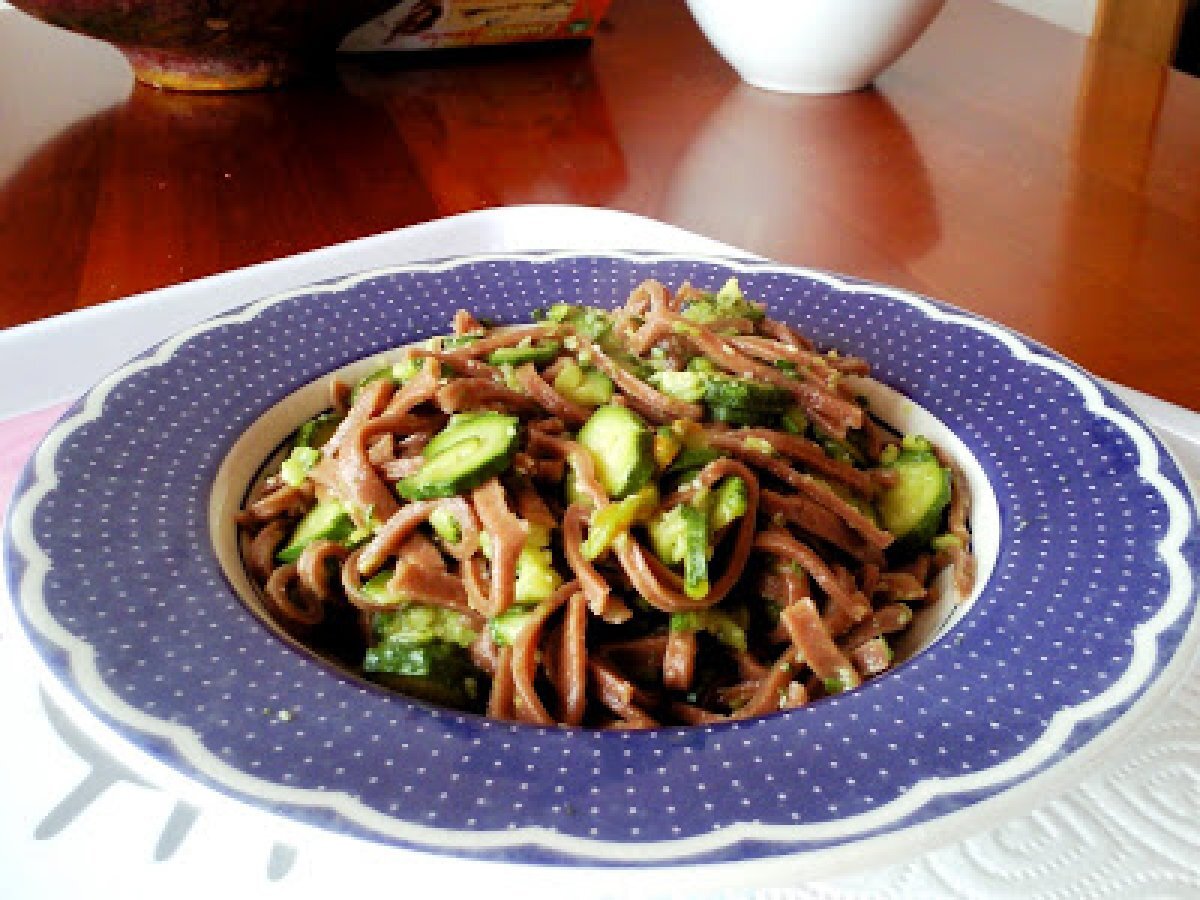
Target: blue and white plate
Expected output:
[119,557]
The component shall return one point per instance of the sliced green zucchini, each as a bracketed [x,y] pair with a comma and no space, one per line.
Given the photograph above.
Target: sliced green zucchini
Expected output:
[445,525]
[728,302]
[727,503]
[842,450]
[386,373]
[376,590]
[738,415]
[542,352]
[317,430]
[506,627]
[585,386]
[689,386]
[407,369]
[454,341]
[634,365]
[742,393]
[622,447]
[467,452]
[328,520]
[417,623]
[299,463]
[720,624]
[617,518]
[435,671]
[692,458]
[794,421]
[537,579]
[668,535]
[588,320]
[695,551]
[912,509]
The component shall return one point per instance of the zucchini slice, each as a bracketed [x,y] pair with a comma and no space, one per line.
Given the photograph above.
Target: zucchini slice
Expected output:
[585,386]
[743,394]
[434,671]
[695,551]
[328,520]
[507,627]
[317,430]
[623,448]
[467,452]
[912,508]
[692,459]
[544,352]
[739,415]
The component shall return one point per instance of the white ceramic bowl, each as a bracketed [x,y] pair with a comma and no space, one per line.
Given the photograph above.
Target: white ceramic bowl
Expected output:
[812,46]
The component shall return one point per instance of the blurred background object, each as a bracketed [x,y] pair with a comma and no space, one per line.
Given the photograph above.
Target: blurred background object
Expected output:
[439,24]
[815,47]
[189,46]
[1187,52]
[1150,28]
[1163,31]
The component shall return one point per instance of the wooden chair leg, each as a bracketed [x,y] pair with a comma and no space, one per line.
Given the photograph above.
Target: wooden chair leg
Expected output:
[1147,27]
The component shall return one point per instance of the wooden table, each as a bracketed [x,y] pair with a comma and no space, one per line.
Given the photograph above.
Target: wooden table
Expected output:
[1003,164]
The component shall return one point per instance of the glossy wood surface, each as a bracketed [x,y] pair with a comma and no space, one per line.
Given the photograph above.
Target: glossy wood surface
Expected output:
[1003,164]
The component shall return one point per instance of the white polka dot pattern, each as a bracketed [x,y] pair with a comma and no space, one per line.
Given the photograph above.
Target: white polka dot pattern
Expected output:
[109,554]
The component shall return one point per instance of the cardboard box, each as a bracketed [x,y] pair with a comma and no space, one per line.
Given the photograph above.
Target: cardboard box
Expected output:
[436,24]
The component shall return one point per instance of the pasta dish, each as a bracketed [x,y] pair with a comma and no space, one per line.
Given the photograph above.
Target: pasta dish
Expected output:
[678,511]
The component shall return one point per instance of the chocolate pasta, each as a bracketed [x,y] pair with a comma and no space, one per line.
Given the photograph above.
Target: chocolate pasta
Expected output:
[678,511]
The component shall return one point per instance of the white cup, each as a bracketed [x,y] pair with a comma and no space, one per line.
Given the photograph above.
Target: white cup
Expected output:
[812,46]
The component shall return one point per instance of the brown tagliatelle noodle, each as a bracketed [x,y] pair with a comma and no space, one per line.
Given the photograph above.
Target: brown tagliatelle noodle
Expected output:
[769,540]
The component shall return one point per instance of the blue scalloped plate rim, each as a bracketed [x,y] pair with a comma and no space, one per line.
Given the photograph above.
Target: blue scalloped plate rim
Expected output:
[121,595]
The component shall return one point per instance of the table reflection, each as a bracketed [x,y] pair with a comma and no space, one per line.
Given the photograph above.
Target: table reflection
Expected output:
[184,185]
[488,134]
[769,170]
